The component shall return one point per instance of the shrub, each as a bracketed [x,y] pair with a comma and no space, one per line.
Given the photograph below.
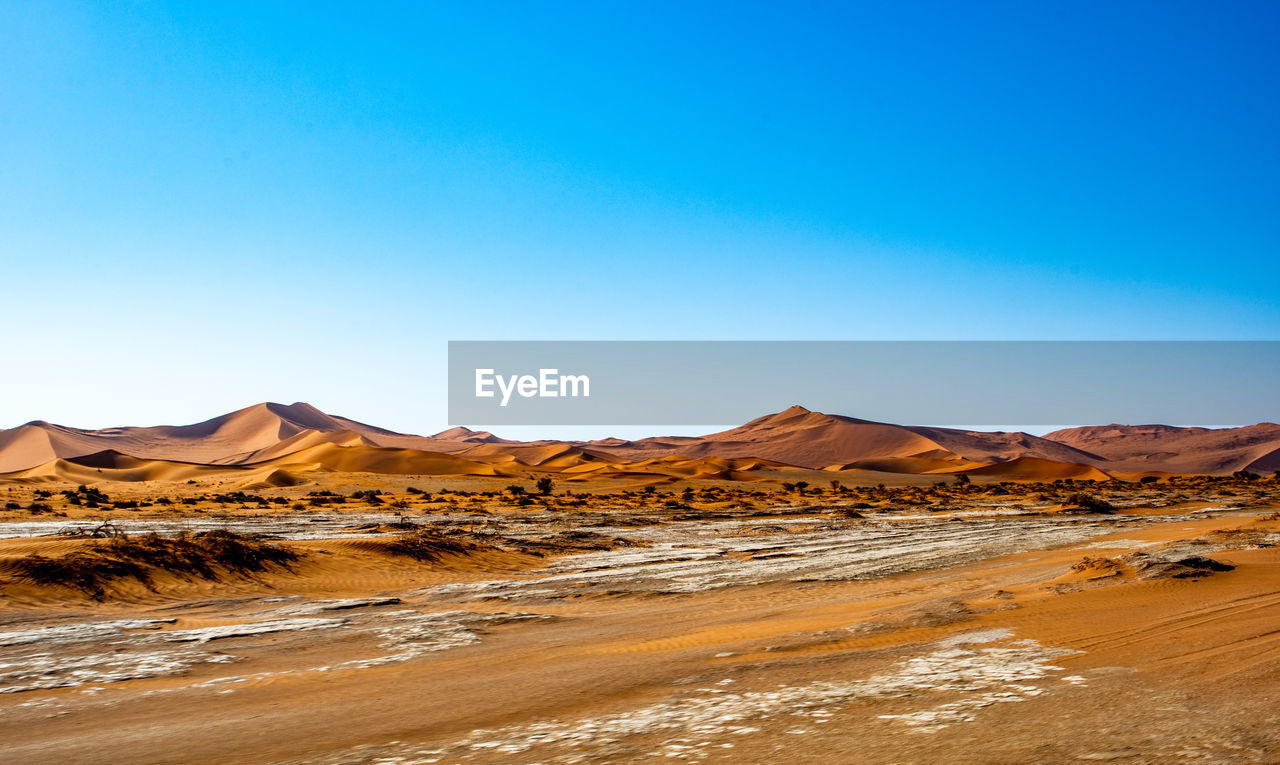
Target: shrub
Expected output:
[200,555]
[428,546]
[1089,502]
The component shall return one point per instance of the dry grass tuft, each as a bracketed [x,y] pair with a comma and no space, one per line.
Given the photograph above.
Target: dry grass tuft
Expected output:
[427,546]
[205,555]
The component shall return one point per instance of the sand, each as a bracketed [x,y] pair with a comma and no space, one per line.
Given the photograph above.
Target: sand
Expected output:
[716,599]
[733,625]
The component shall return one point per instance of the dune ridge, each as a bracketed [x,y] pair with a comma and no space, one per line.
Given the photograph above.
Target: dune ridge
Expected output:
[274,444]
[1179,450]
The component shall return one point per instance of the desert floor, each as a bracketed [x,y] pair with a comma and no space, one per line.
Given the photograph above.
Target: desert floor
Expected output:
[728,623]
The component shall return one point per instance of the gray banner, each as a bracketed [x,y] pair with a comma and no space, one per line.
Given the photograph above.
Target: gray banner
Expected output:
[923,383]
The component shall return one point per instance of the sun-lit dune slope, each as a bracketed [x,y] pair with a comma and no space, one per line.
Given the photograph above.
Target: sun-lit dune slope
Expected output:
[1037,469]
[285,470]
[299,442]
[549,456]
[376,459]
[1138,448]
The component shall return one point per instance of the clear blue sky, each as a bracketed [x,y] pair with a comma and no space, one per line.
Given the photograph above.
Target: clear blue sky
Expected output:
[205,205]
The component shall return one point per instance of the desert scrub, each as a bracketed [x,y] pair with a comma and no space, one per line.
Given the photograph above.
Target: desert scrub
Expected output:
[1089,502]
[428,546]
[205,555]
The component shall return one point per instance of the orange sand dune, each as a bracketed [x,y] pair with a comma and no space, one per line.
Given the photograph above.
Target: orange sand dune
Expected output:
[374,459]
[219,440]
[801,437]
[299,442]
[112,466]
[258,435]
[467,435]
[918,464]
[279,471]
[1036,469]
[1179,450]
[541,454]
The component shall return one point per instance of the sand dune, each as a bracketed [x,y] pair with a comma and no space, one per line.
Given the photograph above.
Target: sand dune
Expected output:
[299,442]
[265,440]
[550,455]
[467,435]
[286,470]
[37,443]
[798,436]
[113,466]
[909,465]
[1037,469]
[1179,450]
[225,439]
[374,459]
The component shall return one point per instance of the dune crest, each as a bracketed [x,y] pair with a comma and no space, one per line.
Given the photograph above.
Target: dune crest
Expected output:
[275,444]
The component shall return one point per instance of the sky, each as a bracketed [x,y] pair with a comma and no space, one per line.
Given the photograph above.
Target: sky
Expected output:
[208,205]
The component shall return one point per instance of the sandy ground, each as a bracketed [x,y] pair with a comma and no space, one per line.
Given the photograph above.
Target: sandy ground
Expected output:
[818,628]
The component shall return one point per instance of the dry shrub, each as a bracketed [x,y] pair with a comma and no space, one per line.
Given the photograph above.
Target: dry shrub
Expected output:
[427,546]
[203,555]
[1089,502]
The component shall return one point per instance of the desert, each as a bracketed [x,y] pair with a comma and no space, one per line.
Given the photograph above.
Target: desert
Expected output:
[831,383]
[808,587]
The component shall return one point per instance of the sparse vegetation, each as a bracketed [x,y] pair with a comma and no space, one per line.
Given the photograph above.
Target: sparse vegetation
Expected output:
[205,555]
[427,546]
[1088,502]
